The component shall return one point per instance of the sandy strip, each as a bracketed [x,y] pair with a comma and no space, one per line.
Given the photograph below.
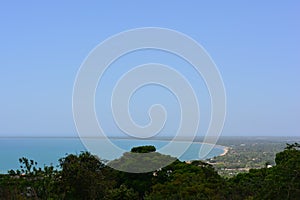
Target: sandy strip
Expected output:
[226,149]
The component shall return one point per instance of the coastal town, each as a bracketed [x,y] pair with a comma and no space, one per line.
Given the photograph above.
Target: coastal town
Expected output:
[242,154]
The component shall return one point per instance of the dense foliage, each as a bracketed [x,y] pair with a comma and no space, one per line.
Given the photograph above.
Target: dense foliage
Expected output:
[143,149]
[85,176]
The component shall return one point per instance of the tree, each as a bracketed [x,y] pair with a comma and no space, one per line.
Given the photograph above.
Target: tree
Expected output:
[121,193]
[283,180]
[82,177]
[180,180]
[279,182]
[137,168]
[141,159]
[143,149]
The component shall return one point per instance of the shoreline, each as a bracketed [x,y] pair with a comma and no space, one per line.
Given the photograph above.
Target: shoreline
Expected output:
[226,150]
[72,147]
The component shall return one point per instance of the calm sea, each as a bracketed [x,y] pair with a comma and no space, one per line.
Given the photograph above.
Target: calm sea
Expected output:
[47,151]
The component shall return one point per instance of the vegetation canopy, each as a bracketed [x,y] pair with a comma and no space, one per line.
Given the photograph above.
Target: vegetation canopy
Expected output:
[85,176]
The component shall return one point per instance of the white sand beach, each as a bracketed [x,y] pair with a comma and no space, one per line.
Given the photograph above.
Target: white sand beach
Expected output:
[226,149]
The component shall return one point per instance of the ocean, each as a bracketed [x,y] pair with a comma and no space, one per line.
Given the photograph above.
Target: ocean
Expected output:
[47,151]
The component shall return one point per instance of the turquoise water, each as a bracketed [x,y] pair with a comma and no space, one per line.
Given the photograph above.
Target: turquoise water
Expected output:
[47,151]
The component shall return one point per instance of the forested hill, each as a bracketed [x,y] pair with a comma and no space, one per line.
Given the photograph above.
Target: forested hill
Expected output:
[84,176]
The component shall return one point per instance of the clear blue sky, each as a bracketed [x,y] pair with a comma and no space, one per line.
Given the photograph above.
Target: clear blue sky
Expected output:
[255,44]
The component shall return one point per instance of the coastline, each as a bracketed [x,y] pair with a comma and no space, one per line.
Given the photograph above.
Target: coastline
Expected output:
[226,150]
[37,149]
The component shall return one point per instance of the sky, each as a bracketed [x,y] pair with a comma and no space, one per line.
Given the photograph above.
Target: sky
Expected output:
[254,44]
